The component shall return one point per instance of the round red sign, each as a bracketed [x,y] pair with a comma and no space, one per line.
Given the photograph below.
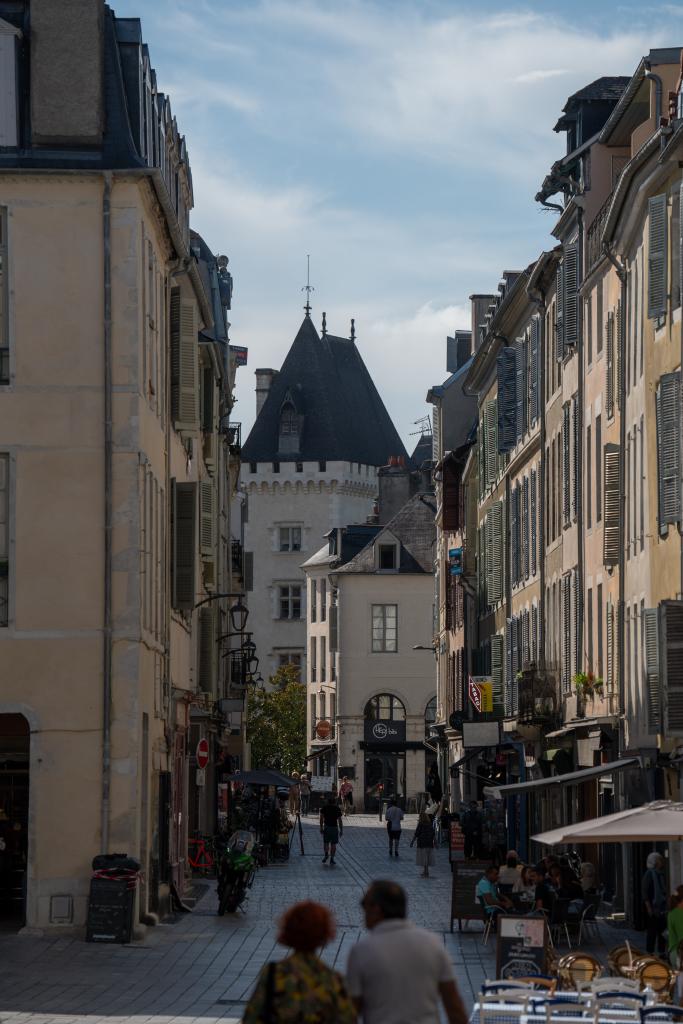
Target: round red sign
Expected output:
[323,729]
[202,754]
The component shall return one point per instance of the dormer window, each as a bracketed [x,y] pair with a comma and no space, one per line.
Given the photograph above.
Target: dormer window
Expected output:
[386,556]
[290,427]
[289,421]
[387,553]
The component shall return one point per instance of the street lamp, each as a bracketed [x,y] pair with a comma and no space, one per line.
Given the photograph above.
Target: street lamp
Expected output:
[239,613]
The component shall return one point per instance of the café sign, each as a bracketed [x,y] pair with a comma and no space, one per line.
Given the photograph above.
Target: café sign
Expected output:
[385,732]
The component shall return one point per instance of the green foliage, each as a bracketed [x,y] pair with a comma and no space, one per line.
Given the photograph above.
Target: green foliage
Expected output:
[276,722]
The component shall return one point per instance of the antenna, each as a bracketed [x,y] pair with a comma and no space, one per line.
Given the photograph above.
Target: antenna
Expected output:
[308,287]
[425,425]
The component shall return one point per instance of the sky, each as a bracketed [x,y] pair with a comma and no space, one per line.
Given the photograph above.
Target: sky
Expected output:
[398,143]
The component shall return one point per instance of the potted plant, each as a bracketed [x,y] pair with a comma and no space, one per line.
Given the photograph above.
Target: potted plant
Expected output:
[588,685]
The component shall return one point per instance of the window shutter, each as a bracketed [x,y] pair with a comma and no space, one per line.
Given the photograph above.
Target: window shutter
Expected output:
[508,410]
[535,375]
[491,442]
[521,389]
[611,508]
[9,135]
[514,535]
[497,675]
[679,241]
[207,399]
[525,526]
[207,518]
[184,545]
[576,466]
[566,630]
[578,603]
[609,620]
[559,313]
[566,472]
[333,631]
[494,553]
[609,366]
[534,525]
[534,633]
[571,296]
[657,257]
[524,656]
[671,665]
[248,569]
[207,649]
[481,457]
[184,362]
[651,638]
[617,354]
[668,409]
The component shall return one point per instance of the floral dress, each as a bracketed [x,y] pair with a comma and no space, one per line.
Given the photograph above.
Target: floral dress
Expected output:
[304,991]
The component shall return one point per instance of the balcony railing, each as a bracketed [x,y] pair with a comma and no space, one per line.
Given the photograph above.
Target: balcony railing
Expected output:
[594,236]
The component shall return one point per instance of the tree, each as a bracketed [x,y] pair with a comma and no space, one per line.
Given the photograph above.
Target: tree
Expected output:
[276,722]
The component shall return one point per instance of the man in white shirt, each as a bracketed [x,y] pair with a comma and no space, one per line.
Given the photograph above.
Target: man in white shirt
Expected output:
[394,816]
[398,973]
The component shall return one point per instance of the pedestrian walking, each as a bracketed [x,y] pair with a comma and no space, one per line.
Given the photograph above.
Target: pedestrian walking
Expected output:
[655,900]
[394,817]
[304,794]
[433,785]
[400,973]
[346,796]
[294,795]
[331,827]
[301,987]
[424,837]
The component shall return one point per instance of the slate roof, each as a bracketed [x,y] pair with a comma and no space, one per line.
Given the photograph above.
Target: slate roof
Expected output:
[609,87]
[344,418]
[414,527]
[423,451]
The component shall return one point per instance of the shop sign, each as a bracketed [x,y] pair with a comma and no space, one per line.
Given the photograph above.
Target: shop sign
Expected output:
[457,842]
[239,354]
[455,561]
[480,689]
[385,731]
[323,729]
[322,783]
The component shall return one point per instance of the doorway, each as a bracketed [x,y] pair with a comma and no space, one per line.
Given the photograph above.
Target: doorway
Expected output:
[388,772]
[15,740]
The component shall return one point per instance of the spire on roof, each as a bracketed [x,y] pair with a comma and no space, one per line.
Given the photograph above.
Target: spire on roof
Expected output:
[308,287]
[324,332]
[353,329]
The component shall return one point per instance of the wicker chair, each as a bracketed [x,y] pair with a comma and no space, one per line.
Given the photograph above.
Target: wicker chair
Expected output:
[577,969]
[621,959]
[655,973]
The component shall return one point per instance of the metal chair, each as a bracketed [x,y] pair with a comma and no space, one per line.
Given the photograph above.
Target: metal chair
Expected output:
[588,919]
[489,919]
[613,985]
[668,1012]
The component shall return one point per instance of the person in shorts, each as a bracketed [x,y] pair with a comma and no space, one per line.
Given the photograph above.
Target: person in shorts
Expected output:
[331,827]
[394,817]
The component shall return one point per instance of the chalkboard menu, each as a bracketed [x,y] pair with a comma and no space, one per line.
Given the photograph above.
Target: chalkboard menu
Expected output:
[522,946]
[110,911]
[464,903]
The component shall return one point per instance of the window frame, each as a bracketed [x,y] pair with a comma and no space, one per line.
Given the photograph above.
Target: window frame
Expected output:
[291,600]
[5,340]
[384,701]
[287,531]
[379,643]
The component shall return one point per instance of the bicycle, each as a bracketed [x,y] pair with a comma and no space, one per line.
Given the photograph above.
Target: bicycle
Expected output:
[200,854]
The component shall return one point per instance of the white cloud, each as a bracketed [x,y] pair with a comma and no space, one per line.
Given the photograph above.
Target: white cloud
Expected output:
[540,75]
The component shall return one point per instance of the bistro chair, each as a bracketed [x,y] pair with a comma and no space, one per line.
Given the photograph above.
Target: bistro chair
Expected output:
[577,969]
[656,974]
[499,1007]
[588,921]
[502,984]
[560,919]
[489,920]
[613,985]
[563,1011]
[621,959]
[665,1013]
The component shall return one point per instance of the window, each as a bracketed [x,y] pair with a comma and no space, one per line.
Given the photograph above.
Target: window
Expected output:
[384,629]
[314,600]
[598,468]
[289,421]
[589,479]
[4,539]
[323,659]
[323,600]
[430,717]
[668,449]
[598,320]
[322,704]
[9,36]
[322,465]
[4,296]
[299,467]
[253,467]
[589,627]
[184,546]
[599,624]
[290,601]
[333,666]
[276,467]
[292,658]
[313,711]
[385,707]
[642,483]
[589,329]
[333,712]
[314,659]
[386,556]
[290,538]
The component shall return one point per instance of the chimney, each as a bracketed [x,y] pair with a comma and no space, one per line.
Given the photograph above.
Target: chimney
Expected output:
[264,379]
[458,350]
[396,485]
[480,304]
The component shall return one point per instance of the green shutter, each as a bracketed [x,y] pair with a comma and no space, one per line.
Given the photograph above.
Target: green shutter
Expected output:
[566,465]
[534,523]
[668,409]
[184,545]
[494,554]
[657,257]
[491,442]
[508,425]
[207,649]
[559,313]
[535,374]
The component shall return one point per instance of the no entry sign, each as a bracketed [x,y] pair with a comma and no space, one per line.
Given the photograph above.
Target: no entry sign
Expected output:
[202,754]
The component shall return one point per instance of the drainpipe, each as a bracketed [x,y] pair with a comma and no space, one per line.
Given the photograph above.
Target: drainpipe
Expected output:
[579,435]
[658,95]
[108,452]
[621,274]
[537,296]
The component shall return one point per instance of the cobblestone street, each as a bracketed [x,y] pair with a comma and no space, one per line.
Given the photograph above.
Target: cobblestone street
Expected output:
[202,967]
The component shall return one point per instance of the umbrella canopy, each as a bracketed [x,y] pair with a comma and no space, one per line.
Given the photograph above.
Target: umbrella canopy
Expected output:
[262,777]
[659,821]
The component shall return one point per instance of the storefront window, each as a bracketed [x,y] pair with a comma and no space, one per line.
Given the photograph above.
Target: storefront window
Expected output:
[385,707]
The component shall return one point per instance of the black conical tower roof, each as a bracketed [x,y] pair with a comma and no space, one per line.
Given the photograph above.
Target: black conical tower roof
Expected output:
[343,416]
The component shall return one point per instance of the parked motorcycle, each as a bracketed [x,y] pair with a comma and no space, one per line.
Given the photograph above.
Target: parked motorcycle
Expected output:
[236,871]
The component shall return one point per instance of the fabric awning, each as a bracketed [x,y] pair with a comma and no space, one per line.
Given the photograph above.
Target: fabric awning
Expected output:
[320,750]
[581,723]
[658,821]
[570,778]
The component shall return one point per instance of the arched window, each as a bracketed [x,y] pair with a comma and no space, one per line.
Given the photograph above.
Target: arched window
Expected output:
[289,421]
[385,706]
[430,716]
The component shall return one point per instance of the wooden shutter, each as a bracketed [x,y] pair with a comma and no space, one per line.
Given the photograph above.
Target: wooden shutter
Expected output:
[207,649]
[566,468]
[671,665]
[651,643]
[576,465]
[679,241]
[508,425]
[524,655]
[184,362]
[514,535]
[481,457]
[668,408]
[525,526]
[207,521]
[184,545]
[618,355]
[611,507]
[559,313]
[494,553]
[571,296]
[535,374]
[497,654]
[578,604]
[248,570]
[534,524]
[207,399]
[609,621]
[521,389]
[333,628]
[534,633]
[491,442]
[657,257]
[566,632]
[482,578]
[609,367]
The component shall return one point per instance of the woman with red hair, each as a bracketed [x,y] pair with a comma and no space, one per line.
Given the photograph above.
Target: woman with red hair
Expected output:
[301,989]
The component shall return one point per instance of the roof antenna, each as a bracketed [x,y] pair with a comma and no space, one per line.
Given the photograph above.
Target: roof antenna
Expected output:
[353,329]
[324,324]
[308,287]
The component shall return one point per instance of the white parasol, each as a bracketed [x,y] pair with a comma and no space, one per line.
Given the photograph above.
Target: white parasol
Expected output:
[659,821]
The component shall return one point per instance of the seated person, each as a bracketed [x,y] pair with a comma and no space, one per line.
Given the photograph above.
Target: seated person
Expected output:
[524,887]
[565,884]
[512,869]
[487,893]
[544,893]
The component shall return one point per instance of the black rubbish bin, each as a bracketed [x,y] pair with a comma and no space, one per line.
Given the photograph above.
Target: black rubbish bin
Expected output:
[112,898]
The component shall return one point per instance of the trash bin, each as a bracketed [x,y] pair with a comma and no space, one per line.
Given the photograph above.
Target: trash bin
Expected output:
[112,898]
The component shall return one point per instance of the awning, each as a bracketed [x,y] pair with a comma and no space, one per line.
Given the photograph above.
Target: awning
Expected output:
[320,750]
[658,821]
[456,766]
[580,723]
[569,779]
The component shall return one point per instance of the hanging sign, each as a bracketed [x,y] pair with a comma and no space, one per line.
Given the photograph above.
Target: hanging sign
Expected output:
[455,561]
[480,689]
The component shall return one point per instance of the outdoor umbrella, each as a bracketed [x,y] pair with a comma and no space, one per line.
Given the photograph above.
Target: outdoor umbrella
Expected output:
[659,821]
[262,777]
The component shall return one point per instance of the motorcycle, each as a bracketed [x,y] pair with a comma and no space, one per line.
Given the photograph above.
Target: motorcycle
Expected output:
[236,871]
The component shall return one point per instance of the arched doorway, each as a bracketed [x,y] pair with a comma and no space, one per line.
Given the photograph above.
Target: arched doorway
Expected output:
[15,740]
[385,759]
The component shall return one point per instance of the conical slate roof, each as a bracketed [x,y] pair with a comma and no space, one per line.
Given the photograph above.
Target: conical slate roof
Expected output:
[342,415]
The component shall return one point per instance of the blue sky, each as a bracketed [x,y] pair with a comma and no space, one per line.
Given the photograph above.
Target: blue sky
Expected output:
[400,144]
